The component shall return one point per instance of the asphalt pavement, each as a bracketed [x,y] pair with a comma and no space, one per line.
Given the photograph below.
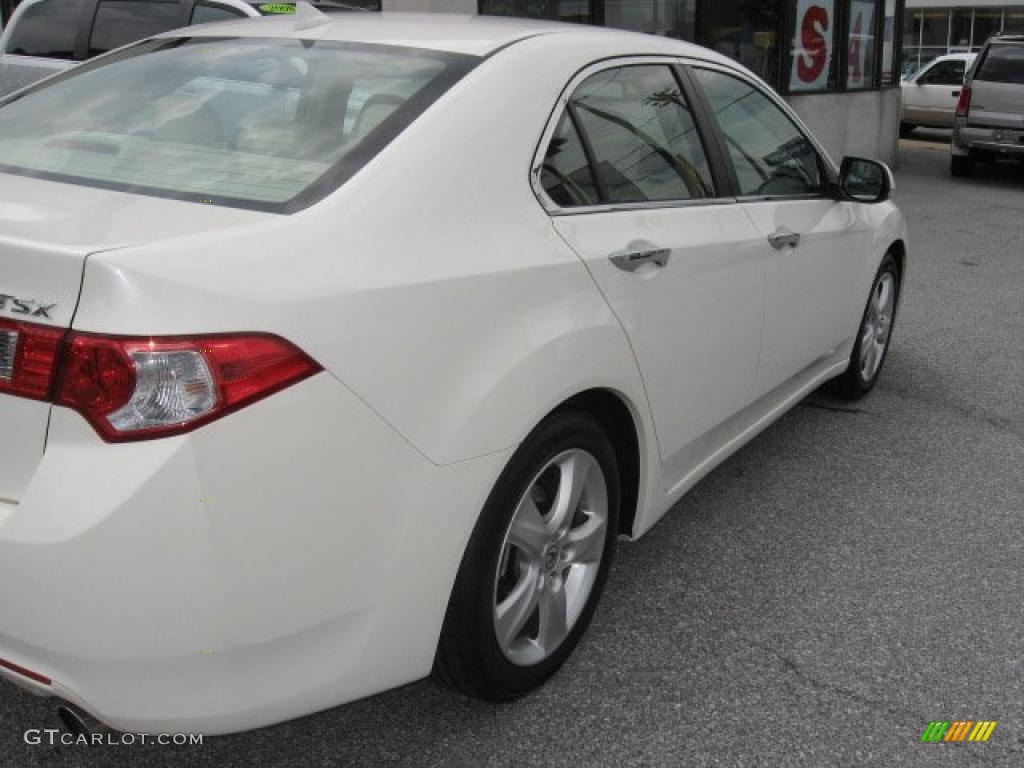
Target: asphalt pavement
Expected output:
[854,573]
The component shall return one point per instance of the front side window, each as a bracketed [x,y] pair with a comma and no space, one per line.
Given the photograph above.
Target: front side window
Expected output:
[47,29]
[945,73]
[769,153]
[1002,63]
[120,22]
[643,138]
[271,124]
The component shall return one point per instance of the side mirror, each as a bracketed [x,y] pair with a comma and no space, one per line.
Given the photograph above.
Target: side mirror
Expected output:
[865,181]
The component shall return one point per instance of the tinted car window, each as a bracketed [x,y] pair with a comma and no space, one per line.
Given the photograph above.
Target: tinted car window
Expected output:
[203,13]
[119,22]
[566,175]
[248,122]
[771,156]
[48,29]
[945,73]
[644,139]
[1002,64]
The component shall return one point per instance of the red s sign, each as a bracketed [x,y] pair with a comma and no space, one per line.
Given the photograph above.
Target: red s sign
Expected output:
[813,28]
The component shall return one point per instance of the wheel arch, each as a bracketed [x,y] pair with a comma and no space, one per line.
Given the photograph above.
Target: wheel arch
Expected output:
[623,427]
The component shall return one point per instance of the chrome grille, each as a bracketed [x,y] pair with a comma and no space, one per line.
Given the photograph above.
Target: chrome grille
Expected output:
[8,343]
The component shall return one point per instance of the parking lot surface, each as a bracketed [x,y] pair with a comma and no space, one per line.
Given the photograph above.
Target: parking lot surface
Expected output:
[854,573]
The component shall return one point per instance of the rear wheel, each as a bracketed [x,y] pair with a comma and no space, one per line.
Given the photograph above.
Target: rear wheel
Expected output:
[873,338]
[536,563]
[906,130]
[961,165]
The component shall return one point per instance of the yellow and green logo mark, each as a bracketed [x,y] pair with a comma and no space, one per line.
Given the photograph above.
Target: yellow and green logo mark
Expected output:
[958,730]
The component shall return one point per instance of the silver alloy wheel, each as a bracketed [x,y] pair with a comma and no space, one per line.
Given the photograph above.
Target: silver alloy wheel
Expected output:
[550,557]
[874,334]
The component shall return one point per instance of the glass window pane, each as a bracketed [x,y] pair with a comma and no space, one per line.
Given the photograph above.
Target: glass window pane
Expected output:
[1003,63]
[671,18]
[559,10]
[1014,23]
[987,22]
[204,14]
[644,138]
[961,35]
[119,22]
[860,58]
[889,45]
[945,73]
[813,63]
[935,28]
[566,176]
[911,29]
[218,119]
[928,55]
[748,32]
[771,156]
[47,29]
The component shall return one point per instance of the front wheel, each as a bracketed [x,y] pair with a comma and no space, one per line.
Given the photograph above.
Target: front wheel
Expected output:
[536,562]
[873,336]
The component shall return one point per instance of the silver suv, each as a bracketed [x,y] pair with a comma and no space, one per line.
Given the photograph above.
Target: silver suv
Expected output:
[990,116]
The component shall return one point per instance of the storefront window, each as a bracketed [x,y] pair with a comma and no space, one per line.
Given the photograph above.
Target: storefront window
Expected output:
[860,59]
[963,20]
[671,18]
[560,10]
[812,54]
[1014,24]
[747,31]
[987,22]
[935,28]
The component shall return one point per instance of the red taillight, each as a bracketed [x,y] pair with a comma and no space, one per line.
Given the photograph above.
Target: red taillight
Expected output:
[139,388]
[132,388]
[963,106]
[28,355]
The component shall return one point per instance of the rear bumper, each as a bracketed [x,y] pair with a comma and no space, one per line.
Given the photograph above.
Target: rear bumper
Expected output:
[997,141]
[291,557]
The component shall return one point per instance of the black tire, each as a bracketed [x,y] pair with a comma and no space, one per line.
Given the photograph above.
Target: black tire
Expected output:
[906,130]
[469,657]
[961,166]
[853,385]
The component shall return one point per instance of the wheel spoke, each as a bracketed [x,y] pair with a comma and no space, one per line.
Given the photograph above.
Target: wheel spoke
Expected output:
[586,543]
[574,469]
[528,532]
[553,617]
[514,611]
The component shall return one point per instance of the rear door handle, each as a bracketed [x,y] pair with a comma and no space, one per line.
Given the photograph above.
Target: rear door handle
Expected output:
[631,261]
[956,94]
[784,238]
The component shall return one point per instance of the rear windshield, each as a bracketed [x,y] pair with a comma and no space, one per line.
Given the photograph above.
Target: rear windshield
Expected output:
[269,124]
[1003,63]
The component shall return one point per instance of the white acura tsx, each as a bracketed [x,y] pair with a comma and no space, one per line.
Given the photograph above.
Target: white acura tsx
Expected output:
[338,352]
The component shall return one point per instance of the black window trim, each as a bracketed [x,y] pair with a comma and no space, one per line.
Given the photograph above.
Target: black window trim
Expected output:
[829,171]
[723,186]
[77,54]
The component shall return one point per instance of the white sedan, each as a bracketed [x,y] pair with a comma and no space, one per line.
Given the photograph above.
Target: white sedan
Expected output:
[333,353]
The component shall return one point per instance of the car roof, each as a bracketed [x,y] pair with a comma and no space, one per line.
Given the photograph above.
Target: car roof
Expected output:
[455,33]
[1007,39]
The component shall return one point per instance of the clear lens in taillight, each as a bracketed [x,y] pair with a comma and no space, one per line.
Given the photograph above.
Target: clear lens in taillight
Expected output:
[137,388]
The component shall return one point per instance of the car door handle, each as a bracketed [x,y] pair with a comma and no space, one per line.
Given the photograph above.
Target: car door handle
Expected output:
[956,94]
[631,261]
[783,238]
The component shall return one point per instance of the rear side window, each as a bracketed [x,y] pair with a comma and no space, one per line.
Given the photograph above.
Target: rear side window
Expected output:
[642,137]
[566,175]
[1003,63]
[204,13]
[769,153]
[120,22]
[48,29]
